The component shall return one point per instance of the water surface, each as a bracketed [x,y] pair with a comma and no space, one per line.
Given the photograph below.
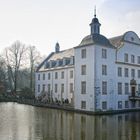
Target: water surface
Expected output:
[23,122]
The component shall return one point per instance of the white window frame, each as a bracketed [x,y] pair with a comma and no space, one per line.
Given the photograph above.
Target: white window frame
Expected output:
[138,73]
[132,59]
[83,87]
[119,72]
[83,70]
[126,88]
[71,74]
[71,87]
[43,76]
[104,53]
[133,73]
[104,105]
[62,75]
[119,104]
[104,69]
[126,104]
[119,88]
[126,57]
[83,53]
[56,88]
[104,87]
[38,88]
[126,72]
[83,104]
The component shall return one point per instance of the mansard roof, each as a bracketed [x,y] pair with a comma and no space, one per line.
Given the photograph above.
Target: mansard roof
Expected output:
[95,39]
[62,54]
[56,56]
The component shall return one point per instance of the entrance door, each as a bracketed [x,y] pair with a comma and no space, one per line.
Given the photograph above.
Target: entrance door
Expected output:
[133,90]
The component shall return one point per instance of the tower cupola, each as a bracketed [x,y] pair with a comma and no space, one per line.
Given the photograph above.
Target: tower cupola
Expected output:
[95,25]
[57,47]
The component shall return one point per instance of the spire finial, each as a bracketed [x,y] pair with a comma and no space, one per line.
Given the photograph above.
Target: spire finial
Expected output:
[95,11]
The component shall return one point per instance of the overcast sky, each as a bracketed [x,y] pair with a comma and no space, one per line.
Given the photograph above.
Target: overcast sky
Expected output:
[44,22]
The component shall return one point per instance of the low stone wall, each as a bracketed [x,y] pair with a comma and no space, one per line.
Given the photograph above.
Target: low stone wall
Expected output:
[66,107]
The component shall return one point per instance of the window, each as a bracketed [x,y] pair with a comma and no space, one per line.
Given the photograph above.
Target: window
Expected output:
[132,59]
[104,53]
[138,73]
[119,104]
[83,70]
[139,89]
[49,76]
[56,75]
[133,105]
[132,38]
[125,57]
[126,72]
[119,88]
[126,104]
[38,76]
[83,53]
[83,104]
[126,88]
[38,88]
[104,105]
[62,88]
[139,104]
[104,70]
[71,74]
[95,29]
[104,87]
[83,87]
[119,71]
[132,73]
[71,87]
[138,59]
[43,87]
[43,76]
[62,75]
[49,88]
[55,88]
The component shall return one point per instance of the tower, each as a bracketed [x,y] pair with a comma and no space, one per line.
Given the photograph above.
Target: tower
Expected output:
[95,25]
[57,47]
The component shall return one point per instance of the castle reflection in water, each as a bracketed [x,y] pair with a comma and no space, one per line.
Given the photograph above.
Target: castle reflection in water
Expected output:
[72,126]
[22,122]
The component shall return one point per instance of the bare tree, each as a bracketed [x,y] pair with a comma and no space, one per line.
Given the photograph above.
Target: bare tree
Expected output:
[34,59]
[2,70]
[2,76]
[15,56]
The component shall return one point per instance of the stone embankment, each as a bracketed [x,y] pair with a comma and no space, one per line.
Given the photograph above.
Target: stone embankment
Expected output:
[66,107]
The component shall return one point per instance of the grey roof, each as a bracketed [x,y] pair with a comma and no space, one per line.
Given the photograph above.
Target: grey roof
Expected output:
[95,20]
[58,55]
[116,41]
[62,54]
[49,56]
[96,39]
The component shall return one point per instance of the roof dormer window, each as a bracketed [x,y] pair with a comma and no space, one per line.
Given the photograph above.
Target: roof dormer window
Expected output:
[132,38]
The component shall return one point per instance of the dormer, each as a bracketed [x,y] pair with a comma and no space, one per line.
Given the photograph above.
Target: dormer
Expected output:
[72,60]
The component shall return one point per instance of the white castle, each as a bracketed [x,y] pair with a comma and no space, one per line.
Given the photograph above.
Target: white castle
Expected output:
[99,74]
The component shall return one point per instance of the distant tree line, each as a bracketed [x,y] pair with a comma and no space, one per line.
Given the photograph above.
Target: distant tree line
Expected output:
[17,68]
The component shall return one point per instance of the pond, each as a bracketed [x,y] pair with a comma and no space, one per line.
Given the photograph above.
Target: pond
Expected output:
[23,122]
